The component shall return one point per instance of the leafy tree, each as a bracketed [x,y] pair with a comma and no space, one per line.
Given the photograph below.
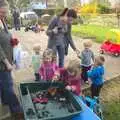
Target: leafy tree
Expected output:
[117,9]
[18,4]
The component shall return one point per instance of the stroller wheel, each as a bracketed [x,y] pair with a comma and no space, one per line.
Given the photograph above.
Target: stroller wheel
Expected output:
[116,54]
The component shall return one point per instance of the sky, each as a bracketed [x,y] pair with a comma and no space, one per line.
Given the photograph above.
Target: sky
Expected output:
[84,1]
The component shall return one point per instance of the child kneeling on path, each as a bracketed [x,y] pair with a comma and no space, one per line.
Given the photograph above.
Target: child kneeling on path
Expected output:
[96,76]
[86,56]
[70,76]
[49,66]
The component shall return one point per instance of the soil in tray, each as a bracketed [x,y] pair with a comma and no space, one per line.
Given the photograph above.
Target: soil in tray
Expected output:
[56,106]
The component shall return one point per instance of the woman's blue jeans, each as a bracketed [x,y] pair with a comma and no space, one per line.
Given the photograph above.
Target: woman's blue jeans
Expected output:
[61,54]
[7,94]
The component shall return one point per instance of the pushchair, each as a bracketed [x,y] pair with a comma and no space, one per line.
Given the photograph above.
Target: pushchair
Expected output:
[94,104]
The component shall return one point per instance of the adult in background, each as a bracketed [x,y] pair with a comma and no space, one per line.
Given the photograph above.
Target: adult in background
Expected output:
[16,19]
[59,32]
[7,93]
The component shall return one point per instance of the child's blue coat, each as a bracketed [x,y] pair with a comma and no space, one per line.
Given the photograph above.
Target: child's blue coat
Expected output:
[96,75]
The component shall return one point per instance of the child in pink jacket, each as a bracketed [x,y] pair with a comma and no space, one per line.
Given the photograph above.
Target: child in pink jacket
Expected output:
[70,76]
[48,67]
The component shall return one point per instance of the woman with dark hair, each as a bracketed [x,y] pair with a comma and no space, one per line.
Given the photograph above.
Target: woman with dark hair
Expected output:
[59,32]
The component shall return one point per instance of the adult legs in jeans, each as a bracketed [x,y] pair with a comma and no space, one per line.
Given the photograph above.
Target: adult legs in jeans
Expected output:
[7,93]
[61,54]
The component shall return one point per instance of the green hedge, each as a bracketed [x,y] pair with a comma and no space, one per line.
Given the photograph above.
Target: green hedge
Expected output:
[104,9]
[9,21]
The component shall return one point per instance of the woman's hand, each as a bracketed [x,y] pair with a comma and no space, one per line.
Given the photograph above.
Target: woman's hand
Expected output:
[77,52]
[55,30]
[9,67]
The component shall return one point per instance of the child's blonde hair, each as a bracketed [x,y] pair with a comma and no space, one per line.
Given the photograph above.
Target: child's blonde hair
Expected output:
[87,44]
[100,60]
[74,66]
[36,47]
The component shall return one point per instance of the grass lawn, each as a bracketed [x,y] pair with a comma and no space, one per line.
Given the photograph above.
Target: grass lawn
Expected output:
[112,111]
[110,96]
[94,31]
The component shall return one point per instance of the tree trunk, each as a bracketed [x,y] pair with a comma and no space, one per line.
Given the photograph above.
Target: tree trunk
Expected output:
[65,4]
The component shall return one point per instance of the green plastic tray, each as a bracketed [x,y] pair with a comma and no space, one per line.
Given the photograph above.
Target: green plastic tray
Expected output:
[26,89]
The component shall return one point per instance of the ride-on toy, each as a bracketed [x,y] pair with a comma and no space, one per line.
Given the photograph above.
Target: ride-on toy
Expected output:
[111,46]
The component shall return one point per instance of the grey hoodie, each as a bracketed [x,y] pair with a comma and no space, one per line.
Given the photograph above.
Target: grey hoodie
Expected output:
[63,38]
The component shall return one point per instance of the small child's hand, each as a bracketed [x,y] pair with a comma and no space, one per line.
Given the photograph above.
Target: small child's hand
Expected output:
[68,88]
[77,52]
[73,88]
[56,77]
[79,56]
[89,81]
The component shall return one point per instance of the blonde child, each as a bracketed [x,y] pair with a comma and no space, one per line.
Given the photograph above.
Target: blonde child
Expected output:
[48,67]
[86,56]
[36,61]
[71,76]
[96,76]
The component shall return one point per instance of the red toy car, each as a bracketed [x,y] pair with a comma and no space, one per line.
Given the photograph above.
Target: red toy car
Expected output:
[111,48]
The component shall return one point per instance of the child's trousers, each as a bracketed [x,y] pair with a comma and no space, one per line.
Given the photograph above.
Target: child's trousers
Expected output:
[7,94]
[95,90]
[37,77]
[84,74]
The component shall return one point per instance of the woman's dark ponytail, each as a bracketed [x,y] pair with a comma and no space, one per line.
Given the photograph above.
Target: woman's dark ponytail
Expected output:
[64,12]
[72,13]
[69,12]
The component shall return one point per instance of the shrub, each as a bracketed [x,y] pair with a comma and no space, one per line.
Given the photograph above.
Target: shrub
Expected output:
[104,9]
[9,21]
[40,12]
